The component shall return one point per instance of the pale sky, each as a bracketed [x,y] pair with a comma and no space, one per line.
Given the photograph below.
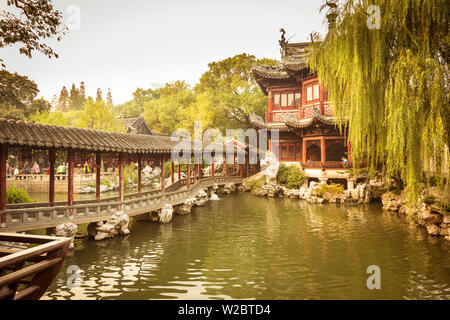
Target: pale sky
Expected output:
[126,44]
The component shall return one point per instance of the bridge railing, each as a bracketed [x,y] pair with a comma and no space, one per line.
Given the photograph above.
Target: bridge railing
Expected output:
[90,211]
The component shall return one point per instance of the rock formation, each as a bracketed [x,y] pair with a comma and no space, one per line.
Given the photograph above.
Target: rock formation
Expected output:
[115,225]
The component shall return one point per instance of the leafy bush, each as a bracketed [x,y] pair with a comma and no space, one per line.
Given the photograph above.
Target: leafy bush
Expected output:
[283,173]
[291,176]
[333,188]
[429,199]
[106,182]
[129,174]
[255,184]
[17,195]
[445,206]
[394,190]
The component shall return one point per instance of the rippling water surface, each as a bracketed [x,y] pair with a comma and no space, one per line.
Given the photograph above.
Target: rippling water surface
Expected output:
[244,247]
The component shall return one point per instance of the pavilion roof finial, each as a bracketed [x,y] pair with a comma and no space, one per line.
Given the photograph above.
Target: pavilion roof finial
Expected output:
[283,41]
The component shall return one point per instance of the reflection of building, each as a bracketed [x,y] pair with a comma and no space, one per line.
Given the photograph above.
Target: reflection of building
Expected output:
[298,108]
[139,125]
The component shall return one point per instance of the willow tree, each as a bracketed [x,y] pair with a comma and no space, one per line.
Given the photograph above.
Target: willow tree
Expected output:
[386,71]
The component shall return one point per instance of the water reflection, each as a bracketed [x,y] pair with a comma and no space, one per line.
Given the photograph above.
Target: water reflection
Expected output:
[244,247]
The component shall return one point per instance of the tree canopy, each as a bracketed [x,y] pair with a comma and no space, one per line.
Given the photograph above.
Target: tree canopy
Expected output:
[224,97]
[28,23]
[391,83]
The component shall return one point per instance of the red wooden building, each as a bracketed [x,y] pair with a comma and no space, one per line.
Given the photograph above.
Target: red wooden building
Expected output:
[298,107]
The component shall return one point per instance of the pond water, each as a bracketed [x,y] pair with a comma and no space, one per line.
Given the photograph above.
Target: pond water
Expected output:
[245,247]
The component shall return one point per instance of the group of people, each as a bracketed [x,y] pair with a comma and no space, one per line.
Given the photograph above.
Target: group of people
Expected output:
[14,170]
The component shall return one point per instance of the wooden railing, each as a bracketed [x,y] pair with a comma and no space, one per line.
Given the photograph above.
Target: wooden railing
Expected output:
[28,218]
[303,112]
[26,274]
[325,165]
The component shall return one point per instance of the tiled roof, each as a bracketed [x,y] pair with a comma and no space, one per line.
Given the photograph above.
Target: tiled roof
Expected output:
[20,133]
[290,122]
[139,125]
[295,55]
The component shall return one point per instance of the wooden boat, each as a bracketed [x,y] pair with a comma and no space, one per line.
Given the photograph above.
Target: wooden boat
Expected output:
[25,274]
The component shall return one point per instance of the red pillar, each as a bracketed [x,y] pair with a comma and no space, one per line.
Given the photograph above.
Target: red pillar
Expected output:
[349,153]
[121,167]
[322,151]
[188,180]
[51,187]
[172,179]
[212,169]
[195,173]
[234,163]
[98,162]
[70,179]
[179,171]
[304,151]
[163,176]
[139,175]
[3,159]
[247,162]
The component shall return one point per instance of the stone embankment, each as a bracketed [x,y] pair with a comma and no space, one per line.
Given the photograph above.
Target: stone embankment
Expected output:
[361,193]
[426,212]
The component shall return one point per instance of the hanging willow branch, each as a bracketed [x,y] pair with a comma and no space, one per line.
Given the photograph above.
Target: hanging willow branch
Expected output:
[392,84]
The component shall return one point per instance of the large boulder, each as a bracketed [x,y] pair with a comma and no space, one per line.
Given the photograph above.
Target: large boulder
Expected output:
[66,230]
[201,198]
[116,224]
[166,213]
[270,165]
[185,207]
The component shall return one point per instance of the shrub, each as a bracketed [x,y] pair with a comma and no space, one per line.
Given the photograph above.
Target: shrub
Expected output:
[291,176]
[429,199]
[394,190]
[106,182]
[333,188]
[283,173]
[445,206]
[17,195]
[129,173]
[255,184]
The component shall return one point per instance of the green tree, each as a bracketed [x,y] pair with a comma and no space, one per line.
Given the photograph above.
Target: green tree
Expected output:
[38,105]
[232,91]
[391,84]
[82,92]
[99,96]
[97,115]
[55,118]
[63,101]
[27,24]
[76,100]
[16,95]
[172,109]
[109,101]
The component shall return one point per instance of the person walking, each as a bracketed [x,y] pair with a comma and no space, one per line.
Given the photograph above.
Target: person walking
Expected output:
[92,165]
[86,167]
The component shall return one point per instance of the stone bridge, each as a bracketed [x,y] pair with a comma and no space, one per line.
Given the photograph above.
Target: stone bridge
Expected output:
[23,217]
